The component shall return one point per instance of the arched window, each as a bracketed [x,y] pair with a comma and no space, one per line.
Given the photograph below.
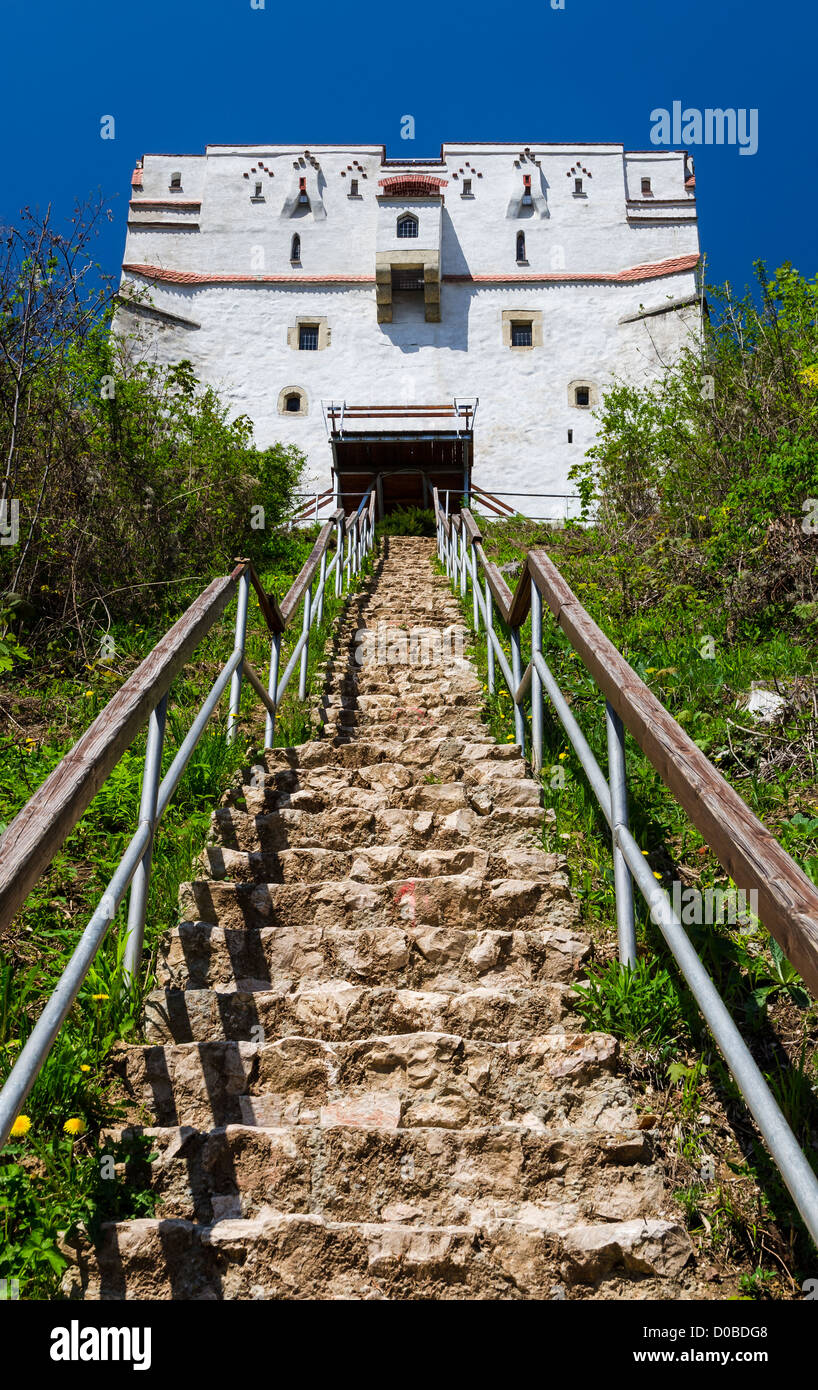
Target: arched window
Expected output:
[293,401]
[521,248]
[407,225]
[295,249]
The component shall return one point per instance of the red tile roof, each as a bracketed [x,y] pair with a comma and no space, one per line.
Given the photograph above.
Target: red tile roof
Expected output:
[195,277]
[652,271]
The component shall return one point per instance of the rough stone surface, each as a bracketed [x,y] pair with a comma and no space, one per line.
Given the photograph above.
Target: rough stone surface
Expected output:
[363,1075]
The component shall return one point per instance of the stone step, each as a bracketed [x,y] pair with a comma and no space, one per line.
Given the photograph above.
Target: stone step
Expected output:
[421,748]
[348,828]
[375,864]
[413,1079]
[340,1008]
[397,790]
[364,1076]
[375,1173]
[293,1256]
[455,901]
[198,956]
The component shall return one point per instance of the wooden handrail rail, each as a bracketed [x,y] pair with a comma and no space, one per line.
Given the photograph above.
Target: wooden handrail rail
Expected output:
[788,900]
[747,850]
[306,574]
[32,839]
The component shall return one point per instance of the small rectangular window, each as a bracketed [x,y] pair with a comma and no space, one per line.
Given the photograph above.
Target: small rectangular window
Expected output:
[570,436]
[646,190]
[308,337]
[577,185]
[257,193]
[521,335]
[466,193]
[582,395]
[176,180]
[353,188]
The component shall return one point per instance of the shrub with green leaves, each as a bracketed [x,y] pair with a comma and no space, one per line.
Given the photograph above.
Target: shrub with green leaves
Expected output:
[639,1004]
[719,457]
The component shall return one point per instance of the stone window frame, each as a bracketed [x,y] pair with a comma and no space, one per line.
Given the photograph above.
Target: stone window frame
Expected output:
[309,320]
[303,409]
[587,384]
[532,316]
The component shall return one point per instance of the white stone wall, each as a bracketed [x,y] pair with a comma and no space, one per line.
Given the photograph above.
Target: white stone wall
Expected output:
[521,435]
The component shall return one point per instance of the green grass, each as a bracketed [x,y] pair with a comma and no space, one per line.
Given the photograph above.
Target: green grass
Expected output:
[644,599]
[49,1179]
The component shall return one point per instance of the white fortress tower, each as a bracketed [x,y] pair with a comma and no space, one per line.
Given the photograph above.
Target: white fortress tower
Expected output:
[448,322]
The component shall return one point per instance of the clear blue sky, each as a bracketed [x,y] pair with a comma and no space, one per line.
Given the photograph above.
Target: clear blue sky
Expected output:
[179,74]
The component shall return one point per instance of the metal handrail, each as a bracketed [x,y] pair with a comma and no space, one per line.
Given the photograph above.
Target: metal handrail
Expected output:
[743,845]
[35,835]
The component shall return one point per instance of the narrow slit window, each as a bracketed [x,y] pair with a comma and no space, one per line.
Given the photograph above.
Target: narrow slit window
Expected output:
[303,195]
[258,193]
[521,256]
[570,436]
[526,190]
[308,337]
[577,185]
[646,188]
[353,188]
[295,250]
[521,333]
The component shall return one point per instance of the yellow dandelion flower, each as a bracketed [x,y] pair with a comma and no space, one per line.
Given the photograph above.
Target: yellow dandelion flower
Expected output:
[85,1067]
[98,998]
[562,756]
[74,1126]
[20,1127]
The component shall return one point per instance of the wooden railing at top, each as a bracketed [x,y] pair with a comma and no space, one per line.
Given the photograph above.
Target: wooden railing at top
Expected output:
[746,849]
[32,839]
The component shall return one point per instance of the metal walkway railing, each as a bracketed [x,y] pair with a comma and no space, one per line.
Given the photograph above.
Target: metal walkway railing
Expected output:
[33,838]
[788,901]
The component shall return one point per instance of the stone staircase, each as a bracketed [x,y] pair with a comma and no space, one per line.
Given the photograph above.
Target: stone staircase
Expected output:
[363,1076]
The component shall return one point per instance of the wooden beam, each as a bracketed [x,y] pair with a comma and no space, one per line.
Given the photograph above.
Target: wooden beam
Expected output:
[36,834]
[499,588]
[788,901]
[304,578]
[268,604]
